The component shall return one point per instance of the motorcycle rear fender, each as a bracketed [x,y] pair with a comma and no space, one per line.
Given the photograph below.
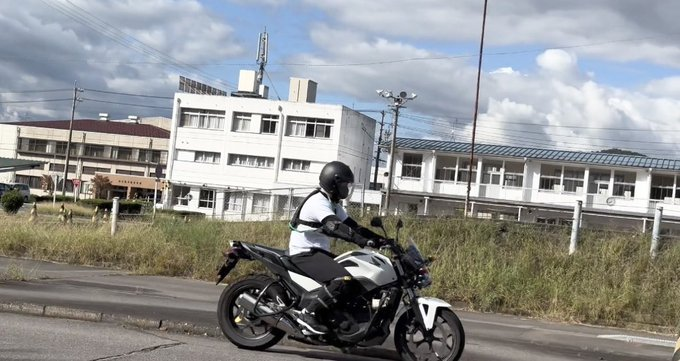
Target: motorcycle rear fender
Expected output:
[428,307]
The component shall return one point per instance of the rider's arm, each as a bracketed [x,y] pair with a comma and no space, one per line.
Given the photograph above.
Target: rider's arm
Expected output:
[334,227]
[364,232]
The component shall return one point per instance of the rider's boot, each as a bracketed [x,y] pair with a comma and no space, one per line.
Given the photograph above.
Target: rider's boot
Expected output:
[324,299]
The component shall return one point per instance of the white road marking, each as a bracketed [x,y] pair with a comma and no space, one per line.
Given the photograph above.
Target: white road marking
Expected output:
[637,339]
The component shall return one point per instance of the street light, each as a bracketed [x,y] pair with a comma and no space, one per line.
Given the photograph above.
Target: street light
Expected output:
[397,103]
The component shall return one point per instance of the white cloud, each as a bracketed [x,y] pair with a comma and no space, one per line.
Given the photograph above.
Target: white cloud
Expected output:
[557,60]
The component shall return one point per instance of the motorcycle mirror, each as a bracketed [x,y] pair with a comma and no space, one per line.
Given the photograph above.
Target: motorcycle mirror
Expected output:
[376,222]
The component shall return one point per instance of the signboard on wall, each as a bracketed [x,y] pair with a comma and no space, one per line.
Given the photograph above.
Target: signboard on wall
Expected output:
[193,87]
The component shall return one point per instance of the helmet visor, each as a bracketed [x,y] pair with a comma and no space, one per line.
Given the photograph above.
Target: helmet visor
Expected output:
[345,190]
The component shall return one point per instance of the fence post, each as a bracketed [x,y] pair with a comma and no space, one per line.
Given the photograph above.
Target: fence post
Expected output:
[290,202]
[655,231]
[114,216]
[575,226]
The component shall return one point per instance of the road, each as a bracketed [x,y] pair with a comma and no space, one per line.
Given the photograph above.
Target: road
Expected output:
[174,304]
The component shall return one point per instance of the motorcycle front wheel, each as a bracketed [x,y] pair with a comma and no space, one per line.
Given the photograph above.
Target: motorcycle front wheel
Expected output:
[444,342]
[239,326]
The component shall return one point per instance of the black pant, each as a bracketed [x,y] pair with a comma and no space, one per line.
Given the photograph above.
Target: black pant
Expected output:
[319,265]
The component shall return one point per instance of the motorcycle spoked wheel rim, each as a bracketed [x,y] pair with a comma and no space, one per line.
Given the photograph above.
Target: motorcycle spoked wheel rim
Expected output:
[241,320]
[441,347]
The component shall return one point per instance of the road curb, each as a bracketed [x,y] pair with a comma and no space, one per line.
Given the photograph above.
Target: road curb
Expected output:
[125,320]
[160,325]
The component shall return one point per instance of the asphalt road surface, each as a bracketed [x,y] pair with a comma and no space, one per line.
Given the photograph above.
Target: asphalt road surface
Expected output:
[165,300]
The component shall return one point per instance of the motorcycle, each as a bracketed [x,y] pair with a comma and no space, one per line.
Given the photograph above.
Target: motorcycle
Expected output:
[258,311]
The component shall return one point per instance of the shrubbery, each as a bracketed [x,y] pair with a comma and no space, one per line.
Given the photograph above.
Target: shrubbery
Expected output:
[12,201]
[131,207]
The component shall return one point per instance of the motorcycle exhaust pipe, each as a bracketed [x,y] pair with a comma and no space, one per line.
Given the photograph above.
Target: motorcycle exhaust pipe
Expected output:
[247,302]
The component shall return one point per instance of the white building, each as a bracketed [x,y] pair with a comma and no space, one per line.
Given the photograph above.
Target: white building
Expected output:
[533,185]
[126,151]
[240,157]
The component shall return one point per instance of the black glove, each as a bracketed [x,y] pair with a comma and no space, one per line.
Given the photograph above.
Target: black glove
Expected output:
[377,243]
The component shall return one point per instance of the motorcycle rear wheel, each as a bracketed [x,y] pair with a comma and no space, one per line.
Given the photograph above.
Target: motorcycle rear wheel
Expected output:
[447,343]
[241,328]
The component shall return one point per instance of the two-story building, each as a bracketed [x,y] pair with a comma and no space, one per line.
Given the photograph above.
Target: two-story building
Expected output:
[533,185]
[245,156]
[126,151]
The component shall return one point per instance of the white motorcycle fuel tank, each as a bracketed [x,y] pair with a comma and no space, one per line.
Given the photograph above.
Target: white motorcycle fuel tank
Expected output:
[370,268]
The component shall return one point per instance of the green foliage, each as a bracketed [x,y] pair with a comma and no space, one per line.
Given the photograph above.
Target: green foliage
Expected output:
[512,268]
[59,199]
[12,201]
[131,207]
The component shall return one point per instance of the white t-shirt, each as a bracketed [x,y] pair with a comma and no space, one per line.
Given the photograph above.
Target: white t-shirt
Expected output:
[315,209]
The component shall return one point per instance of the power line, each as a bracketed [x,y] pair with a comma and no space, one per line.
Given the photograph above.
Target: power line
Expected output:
[35,91]
[34,101]
[127,40]
[128,94]
[128,104]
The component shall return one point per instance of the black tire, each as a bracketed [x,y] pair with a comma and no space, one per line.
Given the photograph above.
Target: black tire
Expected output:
[233,322]
[448,333]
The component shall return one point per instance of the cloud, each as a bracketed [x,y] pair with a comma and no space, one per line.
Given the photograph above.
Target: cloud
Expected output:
[122,46]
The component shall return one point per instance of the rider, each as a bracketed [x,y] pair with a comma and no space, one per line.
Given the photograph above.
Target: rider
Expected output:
[317,219]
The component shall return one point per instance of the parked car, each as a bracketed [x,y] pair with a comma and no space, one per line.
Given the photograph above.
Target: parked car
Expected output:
[24,189]
[4,187]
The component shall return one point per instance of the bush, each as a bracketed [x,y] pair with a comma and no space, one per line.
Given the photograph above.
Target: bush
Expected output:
[59,199]
[131,207]
[181,214]
[12,201]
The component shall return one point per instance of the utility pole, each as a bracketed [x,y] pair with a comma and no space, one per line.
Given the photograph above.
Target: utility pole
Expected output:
[70,135]
[377,155]
[397,103]
[474,121]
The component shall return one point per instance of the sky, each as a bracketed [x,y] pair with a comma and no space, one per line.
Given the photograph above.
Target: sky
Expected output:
[570,75]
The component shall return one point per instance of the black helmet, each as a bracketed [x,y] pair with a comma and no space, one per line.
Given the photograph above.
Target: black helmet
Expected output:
[337,180]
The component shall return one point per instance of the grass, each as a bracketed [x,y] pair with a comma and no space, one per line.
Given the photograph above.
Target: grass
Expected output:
[492,267]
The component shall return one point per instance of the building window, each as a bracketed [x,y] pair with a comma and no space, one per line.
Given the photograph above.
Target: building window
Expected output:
[551,176]
[296,164]
[96,151]
[598,181]
[93,170]
[207,157]
[242,122]
[261,203]
[309,127]
[32,181]
[33,145]
[269,123]
[56,167]
[624,184]
[514,174]
[233,201]
[446,168]
[412,165]
[491,172]
[251,161]
[121,153]
[573,179]
[130,172]
[183,195]
[60,147]
[206,198]
[662,186]
[202,118]
[463,173]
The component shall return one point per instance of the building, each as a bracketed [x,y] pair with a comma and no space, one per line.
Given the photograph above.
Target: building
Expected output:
[534,185]
[125,151]
[246,156]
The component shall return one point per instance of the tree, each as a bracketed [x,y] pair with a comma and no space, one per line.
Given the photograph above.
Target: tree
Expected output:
[47,183]
[101,185]
[12,201]
[621,151]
